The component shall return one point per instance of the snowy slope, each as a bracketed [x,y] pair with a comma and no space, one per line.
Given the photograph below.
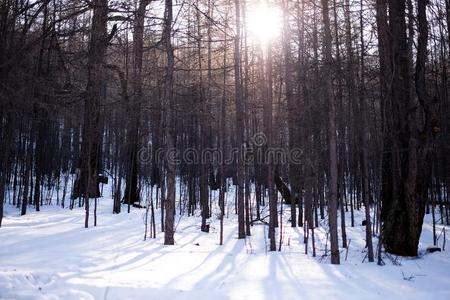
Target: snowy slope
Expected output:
[49,255]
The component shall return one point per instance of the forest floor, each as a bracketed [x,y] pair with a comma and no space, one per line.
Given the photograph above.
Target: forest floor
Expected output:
[50,255]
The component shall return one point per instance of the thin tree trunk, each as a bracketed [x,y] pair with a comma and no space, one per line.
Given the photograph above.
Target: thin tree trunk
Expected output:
[170,138]
[6,142]
[365,142]
[332,138]
[294,168]
[239,122]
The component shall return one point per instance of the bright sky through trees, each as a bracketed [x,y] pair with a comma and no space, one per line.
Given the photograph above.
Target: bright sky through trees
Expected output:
[264,22]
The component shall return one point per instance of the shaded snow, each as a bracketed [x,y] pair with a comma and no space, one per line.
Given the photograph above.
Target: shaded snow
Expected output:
[49,255]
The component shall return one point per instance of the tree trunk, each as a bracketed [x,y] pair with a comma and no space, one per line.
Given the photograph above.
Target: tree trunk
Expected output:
[87,181]
[131,194]
[239,122]
[332,138]
[294,168]
[169,202]
[7,137]
[364,138]
[403,190]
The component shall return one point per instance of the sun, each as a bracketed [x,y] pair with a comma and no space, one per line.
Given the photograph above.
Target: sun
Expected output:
[264,22]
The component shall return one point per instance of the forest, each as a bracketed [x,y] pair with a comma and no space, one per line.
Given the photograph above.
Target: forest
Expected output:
[309,133]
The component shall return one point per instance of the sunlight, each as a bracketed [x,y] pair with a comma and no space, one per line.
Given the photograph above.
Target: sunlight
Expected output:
[264,22]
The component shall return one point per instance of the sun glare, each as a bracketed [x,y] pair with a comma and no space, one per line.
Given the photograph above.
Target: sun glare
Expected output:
[264,22]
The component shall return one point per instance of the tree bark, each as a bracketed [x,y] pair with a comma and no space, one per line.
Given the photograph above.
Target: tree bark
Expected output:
[239,122]
[7,137]
[404,190]
[169,202]
[332,138]
[294,168]
[131,194]
[87,183]
[364,138]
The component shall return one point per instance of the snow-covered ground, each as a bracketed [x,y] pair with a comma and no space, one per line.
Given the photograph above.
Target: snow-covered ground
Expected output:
[50,255]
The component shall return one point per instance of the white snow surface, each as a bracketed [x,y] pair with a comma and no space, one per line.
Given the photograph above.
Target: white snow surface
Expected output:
[50,255]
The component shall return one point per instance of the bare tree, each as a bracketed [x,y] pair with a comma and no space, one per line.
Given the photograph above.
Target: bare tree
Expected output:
[332,138]
[131,194]
[239,121]
[170,139]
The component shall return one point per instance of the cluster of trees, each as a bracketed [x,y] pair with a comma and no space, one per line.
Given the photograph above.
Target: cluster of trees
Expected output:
[361,87]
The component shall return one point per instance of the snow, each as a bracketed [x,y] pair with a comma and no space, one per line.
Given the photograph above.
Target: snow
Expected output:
[50,255]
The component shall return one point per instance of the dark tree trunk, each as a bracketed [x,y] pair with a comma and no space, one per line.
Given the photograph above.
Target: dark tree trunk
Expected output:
[332,138]
[364,140]
[294,168]
[131,194]
[27,172]
[403,190]
[87,181]
[283,189]
[169,202]
[6,142]
[239,123]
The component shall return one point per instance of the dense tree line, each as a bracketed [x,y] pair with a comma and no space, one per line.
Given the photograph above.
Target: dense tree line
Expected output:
[118,90]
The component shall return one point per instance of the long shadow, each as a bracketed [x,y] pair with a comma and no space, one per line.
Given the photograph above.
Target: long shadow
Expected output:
[238,246]
[214,279]
[146,256]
